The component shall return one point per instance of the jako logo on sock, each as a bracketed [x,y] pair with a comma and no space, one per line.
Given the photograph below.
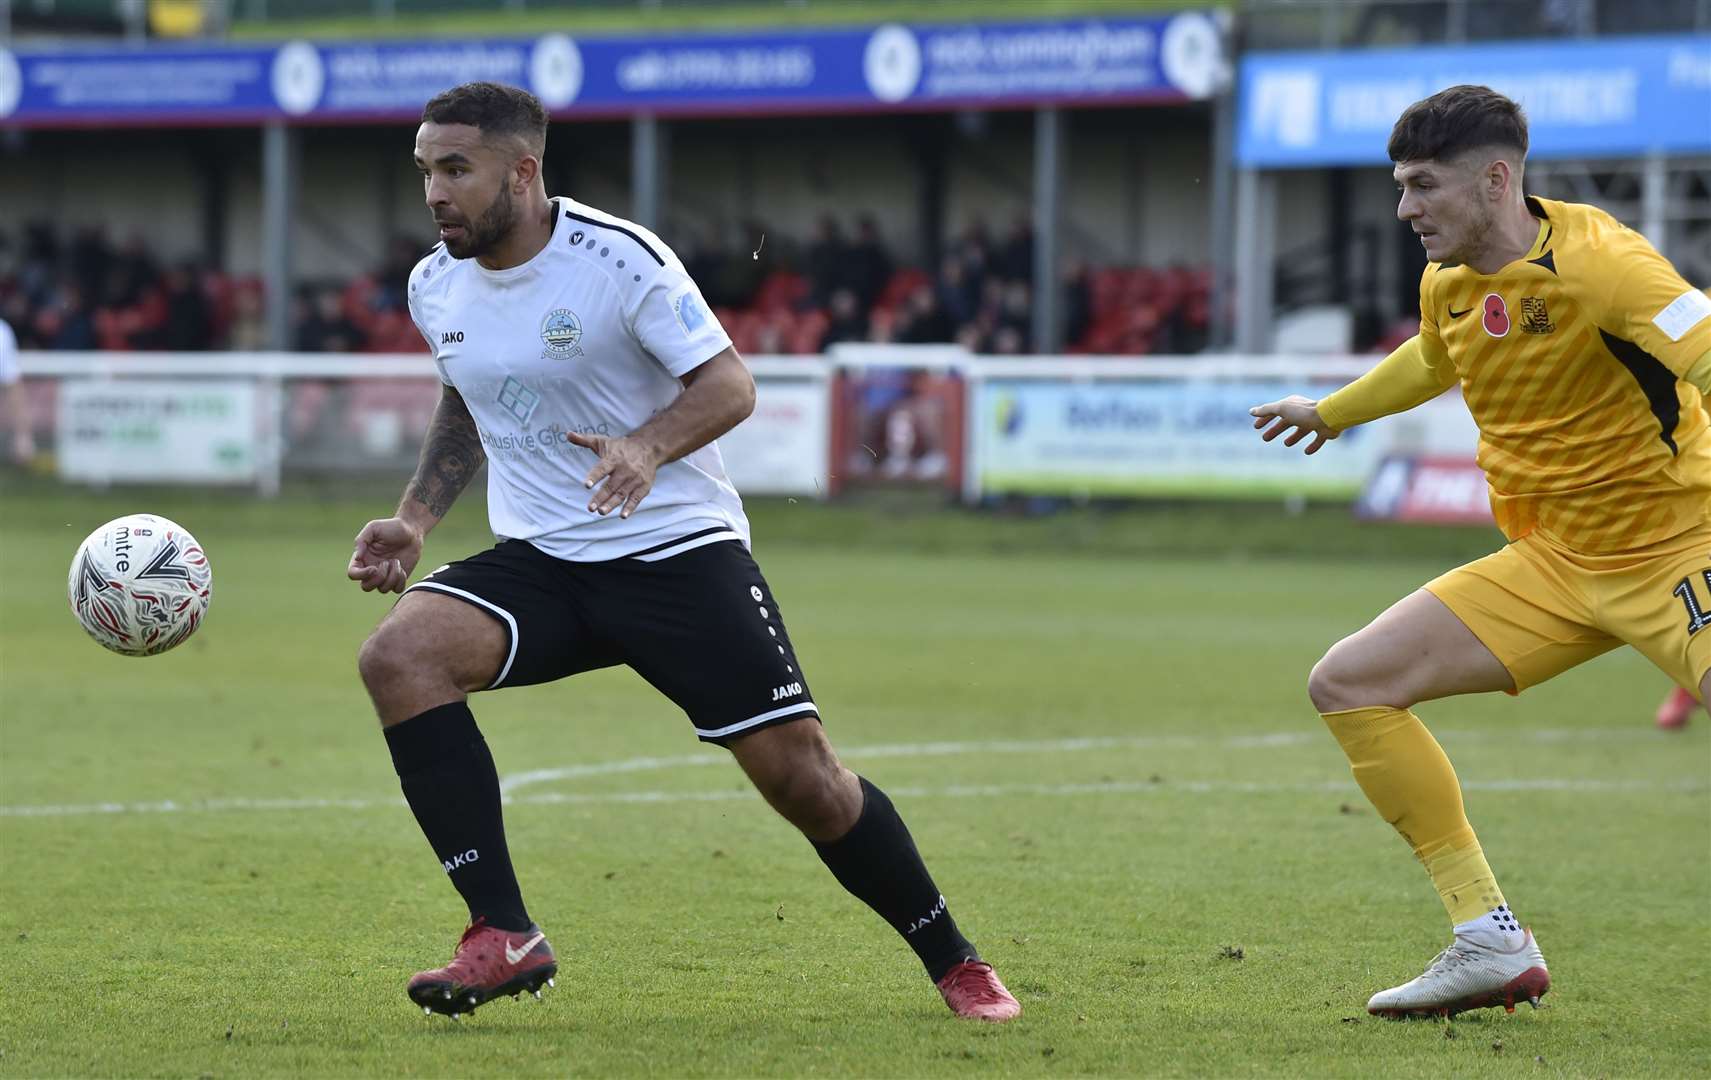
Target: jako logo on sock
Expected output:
[466,857]
[929,917]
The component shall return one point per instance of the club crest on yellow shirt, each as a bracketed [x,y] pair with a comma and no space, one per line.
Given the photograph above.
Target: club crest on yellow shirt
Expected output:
[1535,319]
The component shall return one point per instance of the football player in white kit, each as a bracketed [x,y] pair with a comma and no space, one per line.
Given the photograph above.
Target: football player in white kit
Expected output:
[15,407]
[582,363]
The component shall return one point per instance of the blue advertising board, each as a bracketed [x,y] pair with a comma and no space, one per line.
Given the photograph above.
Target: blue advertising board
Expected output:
[1092,61]
[1152,438]
[1614,97]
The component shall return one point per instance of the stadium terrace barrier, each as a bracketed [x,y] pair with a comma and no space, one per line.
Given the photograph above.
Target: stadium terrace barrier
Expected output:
[926,416]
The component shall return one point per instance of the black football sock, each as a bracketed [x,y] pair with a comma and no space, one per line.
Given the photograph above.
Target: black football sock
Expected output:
[877,862]
[452,787]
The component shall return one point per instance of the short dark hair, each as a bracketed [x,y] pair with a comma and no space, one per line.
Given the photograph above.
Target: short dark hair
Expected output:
[1452,121]
[494,108]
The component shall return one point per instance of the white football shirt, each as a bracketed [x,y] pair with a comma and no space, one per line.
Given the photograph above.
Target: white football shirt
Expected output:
[589,336]
[10,370]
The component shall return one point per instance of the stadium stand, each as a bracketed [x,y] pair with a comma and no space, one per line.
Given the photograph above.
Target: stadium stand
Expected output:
[82,291]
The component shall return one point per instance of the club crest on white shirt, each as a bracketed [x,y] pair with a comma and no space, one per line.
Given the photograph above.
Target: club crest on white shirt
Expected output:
[561,332]
[691,316]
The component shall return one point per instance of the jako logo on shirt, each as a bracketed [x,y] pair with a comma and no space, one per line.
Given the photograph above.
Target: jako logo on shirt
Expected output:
[460,859]
[561,332]
[779,693]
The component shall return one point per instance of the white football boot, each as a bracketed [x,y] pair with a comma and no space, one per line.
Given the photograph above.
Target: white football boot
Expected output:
[1469,975]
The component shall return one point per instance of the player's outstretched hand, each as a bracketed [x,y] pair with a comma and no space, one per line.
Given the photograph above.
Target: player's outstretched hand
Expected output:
[622,477]
[1296,412]
[386,552]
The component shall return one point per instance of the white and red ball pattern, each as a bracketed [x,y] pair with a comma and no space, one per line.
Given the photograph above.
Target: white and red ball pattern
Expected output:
[140,585]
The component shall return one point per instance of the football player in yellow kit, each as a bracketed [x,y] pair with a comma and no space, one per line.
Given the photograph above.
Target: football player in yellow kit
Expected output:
[1582,356]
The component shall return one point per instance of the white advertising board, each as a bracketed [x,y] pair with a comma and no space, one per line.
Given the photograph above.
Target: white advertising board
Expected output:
[781,449]
[158,431]
[1179,437]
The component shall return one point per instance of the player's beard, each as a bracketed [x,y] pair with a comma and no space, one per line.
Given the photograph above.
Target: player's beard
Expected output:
[489,230]
[1481,226]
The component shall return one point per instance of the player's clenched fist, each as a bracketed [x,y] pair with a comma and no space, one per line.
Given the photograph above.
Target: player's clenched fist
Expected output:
[1294,411]
[622,477]
[386,552]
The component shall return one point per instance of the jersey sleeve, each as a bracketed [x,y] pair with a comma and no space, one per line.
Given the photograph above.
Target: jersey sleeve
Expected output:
[674,324]
[1418,371]
[1653,306]
[421,328]
[10,370]
[1407,377]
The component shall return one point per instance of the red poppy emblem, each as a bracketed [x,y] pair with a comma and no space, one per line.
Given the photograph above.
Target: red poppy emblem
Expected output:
[1496,318]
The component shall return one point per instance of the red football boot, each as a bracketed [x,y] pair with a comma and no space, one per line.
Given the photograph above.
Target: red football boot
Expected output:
[972,989]
[1676,710]
[489,962]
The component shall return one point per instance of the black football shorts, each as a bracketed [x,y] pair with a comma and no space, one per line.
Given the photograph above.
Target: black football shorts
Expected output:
[701,626]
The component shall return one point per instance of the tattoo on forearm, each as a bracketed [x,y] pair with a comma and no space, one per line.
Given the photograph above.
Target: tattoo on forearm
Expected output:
[451,454]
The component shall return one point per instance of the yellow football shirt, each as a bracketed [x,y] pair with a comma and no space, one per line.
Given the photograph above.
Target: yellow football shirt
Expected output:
[1574,361]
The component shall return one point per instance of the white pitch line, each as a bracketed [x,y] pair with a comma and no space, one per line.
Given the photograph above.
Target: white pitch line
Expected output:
[952,791]
[514,782]
[510,784]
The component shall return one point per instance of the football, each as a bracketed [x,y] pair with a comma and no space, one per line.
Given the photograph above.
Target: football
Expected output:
[140,585]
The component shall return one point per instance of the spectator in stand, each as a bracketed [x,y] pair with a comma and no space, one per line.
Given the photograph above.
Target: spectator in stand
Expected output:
[1016,306]
[1008,341]
[248,329]
[828,260]
[129,307]
[65,321]
[922,321]
[848,320]
[1077,302]
[1016,259]
[958,294]
[37,275]
[869,264]
[189,321]
[740,273]
[89,257]
[975,250]
[322,326]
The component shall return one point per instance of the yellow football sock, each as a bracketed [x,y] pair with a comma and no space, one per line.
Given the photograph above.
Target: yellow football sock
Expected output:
[1410,783]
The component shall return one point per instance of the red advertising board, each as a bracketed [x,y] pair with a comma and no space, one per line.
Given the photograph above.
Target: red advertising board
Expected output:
[1433,490]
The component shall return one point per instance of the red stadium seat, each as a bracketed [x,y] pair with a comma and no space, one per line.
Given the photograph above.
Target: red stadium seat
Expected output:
[810,328]
[902,284]
[781,290]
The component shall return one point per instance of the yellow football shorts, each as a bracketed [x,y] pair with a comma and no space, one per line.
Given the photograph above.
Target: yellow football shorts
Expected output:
[1542,608]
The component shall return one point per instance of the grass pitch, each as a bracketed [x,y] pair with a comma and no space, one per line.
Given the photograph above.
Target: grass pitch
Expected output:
[1105,753]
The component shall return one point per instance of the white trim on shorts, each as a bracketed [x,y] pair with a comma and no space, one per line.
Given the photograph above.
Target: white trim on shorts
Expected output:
[754,721]
[490,606]
[688,545]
